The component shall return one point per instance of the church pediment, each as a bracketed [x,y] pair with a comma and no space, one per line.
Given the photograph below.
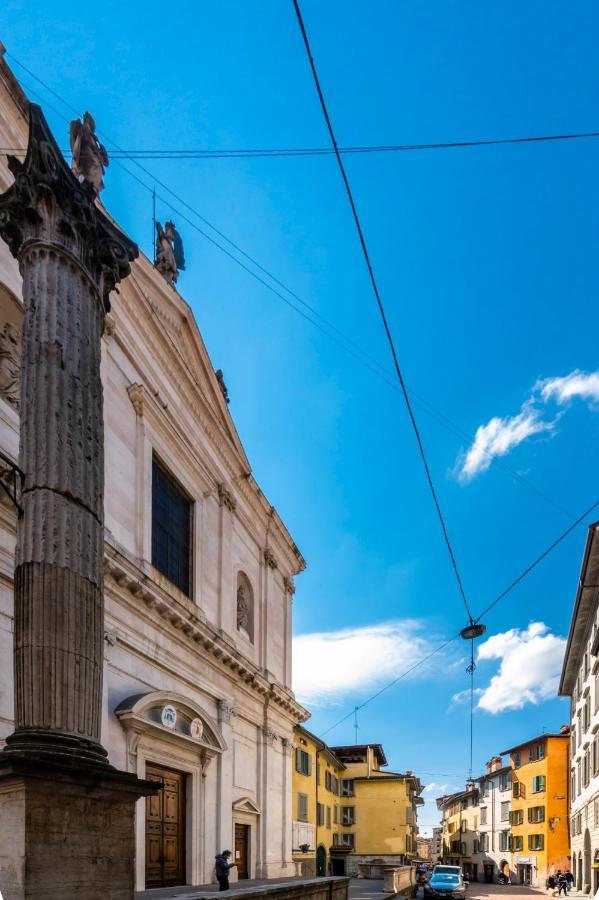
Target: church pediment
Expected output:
[246,805]
[173,717]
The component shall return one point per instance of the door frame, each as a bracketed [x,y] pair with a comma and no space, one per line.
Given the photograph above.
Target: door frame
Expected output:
[247,830]
[251,820]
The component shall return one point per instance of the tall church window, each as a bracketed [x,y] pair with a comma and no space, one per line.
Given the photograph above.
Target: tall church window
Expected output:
[171,529]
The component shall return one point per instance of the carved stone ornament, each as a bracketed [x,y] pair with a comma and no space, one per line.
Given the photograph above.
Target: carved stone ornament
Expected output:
[136,396]
[227,498]
[270,559]
[243,609]
[226,711]
[221,383]
[289,585]
[10,364]
[269,735]
[48,206]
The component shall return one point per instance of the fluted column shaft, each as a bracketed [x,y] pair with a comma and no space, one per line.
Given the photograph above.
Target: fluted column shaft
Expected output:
[71,256]
[58,578]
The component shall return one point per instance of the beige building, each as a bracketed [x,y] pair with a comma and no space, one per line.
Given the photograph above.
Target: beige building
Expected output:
[460,823]
[580,682]
[424,847]
[198,583]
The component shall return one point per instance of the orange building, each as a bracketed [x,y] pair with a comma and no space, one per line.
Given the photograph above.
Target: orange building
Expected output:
[540,844]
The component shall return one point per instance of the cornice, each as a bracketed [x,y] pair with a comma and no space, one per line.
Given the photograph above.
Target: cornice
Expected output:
[180,615]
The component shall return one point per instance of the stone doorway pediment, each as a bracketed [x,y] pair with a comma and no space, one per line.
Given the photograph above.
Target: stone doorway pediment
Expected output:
[246,805]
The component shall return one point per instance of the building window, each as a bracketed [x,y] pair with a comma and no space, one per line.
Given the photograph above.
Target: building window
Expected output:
[302,807]
[504,782]
[348,840]
[517,817]
[517,842]
[536,841]
[347,787]
[505,811]
[336,815]
[171,529]
[303,762]
[245,607]
[328,816]
[536,814]
[573,784]
[573,740]
[483,815]
[348,815]
[516,758]
[319,814]
[518,789]
[504,840]
[538,784]
[330,782]
[596,811]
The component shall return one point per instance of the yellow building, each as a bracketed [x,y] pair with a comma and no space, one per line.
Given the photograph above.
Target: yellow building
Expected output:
[460,822]
[346,811]
[316,785]
[424,847]
[378,810]
[539,817]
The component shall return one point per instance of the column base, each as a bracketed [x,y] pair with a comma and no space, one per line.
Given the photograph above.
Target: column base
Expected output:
[67,832]
[56,747]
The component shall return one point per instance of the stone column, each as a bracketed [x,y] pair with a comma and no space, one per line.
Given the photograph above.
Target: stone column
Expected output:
[57,790]
[71,256]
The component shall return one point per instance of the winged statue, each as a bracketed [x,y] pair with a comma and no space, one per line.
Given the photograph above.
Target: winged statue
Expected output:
[90,157]
[170,259]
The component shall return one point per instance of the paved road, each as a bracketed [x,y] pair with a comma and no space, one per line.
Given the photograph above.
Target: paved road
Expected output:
[478,891]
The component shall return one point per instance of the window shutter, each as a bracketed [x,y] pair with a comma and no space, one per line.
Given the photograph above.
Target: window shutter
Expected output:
[298,759]
[309,762]
[530,814]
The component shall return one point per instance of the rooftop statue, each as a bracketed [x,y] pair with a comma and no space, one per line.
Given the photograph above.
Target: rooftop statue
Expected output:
[170,259]
[90,157]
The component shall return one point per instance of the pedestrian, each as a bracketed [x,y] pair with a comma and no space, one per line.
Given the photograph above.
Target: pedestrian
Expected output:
[551,885]
[569,880]
[562,883]
[222,866]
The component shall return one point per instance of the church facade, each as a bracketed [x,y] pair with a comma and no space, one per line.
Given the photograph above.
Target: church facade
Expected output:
[199,575]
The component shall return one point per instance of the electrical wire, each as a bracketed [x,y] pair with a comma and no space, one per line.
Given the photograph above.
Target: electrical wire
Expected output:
[380,371]
[382,311]
[497,599]
[197,153]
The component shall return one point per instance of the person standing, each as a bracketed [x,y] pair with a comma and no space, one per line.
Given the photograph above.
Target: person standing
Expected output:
[222,867]
[562,883]
[569,880]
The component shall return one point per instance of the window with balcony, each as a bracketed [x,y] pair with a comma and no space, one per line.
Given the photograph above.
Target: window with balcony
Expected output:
[348,839]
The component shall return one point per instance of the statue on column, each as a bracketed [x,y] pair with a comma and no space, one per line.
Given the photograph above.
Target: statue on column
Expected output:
[90,157]
[170,259]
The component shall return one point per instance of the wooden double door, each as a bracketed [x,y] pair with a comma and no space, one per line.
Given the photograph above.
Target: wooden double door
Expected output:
[242,850]
[165,829]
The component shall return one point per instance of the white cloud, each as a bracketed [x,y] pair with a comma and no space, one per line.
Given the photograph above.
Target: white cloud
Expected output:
[531,662]
[464,696]
[498,438]
[576,384]
[330,664]
[501,435]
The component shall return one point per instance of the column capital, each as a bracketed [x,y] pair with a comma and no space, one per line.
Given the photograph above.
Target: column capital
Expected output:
[47,207]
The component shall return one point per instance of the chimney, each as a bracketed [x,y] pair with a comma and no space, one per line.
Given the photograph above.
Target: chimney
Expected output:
[565,729]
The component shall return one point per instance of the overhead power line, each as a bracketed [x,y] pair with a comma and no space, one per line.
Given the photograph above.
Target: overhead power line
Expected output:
[514,583]
[273,152]
[338,337]
[382,311]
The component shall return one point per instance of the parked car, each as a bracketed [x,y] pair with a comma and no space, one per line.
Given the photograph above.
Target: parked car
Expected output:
[446,884]
[447,870]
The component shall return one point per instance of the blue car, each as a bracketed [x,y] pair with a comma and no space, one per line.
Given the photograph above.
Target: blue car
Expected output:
[445,884]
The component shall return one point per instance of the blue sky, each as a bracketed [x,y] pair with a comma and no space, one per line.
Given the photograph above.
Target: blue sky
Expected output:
[486,259]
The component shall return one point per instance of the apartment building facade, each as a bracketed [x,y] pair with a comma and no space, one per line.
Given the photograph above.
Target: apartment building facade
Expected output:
[539,814]
[460,823]
[495,792]
[580,682]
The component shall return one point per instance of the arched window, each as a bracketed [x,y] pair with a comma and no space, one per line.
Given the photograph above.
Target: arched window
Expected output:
[245,607]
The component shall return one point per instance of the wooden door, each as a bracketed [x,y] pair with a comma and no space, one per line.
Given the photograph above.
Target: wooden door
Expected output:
[242,839]
[165,829]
